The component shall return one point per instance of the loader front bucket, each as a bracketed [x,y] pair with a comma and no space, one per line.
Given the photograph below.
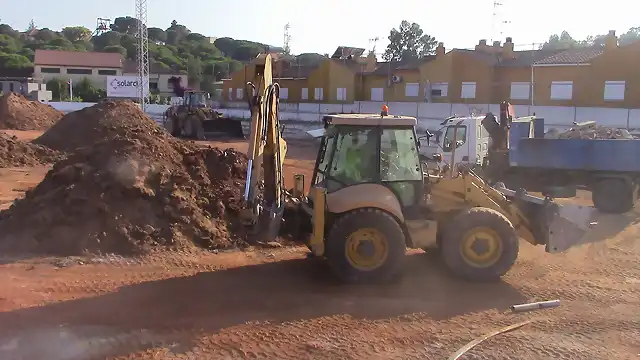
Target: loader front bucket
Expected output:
[569,225]
[223,128]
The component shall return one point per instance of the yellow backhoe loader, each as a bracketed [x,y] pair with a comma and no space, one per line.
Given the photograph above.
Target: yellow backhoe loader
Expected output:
[370,199]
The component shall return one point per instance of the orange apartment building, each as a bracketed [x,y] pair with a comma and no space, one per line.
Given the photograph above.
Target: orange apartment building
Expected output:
[605,76]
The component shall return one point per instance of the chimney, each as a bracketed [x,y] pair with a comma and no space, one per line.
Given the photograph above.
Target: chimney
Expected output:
[507,49]
[611,40]
[440,49]
[496,48]
[482,45]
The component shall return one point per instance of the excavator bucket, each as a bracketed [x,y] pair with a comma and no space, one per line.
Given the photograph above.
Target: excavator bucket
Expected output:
[223,128]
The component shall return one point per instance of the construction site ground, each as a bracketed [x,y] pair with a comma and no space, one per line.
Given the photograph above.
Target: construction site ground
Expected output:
[275,304]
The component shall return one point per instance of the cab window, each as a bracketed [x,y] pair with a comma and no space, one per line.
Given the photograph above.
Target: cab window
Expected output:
[355,158]
[461,137]
[399,159]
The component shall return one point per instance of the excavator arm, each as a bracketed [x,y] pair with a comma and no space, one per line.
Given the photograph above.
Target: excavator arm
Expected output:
[264,193]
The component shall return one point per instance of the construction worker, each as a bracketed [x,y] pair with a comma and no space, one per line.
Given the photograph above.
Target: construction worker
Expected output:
[359,166]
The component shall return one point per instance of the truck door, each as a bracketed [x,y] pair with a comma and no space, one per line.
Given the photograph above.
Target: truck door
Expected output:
[462,134]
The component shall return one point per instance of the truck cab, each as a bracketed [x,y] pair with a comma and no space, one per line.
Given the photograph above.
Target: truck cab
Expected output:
[472,140]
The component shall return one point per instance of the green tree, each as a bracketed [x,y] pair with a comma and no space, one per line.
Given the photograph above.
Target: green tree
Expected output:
[87,92]
[194,71]
[409,42]
[14,61]
[632,35]
[157,34]
[75,33]
[115,49]
[59,89]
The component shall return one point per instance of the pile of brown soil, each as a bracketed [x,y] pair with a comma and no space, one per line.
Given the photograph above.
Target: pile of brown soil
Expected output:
[17,153]
[18,113]
[136,189]
[100,122]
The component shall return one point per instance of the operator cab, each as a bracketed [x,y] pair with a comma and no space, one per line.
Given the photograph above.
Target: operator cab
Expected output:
[370,148]
[472,140]
[195,98]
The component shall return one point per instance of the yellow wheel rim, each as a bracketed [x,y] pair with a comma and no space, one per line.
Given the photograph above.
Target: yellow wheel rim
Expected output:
[481,247]
[366,249]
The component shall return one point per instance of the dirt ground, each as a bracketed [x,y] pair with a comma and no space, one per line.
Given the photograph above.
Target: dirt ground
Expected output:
[274,304]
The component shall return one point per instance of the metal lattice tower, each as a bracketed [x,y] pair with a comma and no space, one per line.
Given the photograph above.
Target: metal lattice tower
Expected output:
[286,46]
[143,53]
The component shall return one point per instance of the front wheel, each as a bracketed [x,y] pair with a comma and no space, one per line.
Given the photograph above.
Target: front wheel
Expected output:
[366,245]
[480,244]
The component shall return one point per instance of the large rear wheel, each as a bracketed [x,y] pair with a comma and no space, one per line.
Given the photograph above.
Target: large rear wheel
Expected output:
[480,244]
[366,245]
[614,196]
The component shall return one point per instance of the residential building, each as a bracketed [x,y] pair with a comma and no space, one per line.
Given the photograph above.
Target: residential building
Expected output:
[332,80]
[158,77]
[95,66]
[598,76]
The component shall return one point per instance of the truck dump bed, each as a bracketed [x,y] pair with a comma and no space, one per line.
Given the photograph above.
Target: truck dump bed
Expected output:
[575,154]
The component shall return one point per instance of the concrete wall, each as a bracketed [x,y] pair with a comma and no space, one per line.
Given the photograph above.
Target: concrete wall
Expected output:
[306,116]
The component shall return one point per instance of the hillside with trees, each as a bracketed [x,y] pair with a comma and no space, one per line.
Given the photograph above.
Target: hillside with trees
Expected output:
[175,47]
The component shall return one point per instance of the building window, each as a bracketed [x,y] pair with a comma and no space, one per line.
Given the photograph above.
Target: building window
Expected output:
[108,72]
[284,93]
[305,94]
[79,71]
[11,87]
[230,94]
[411,89]
[318,94]
[239,94]
[152,85]
[377,94]
[436,90]
[614,90]
[341,94]
[468,90]
[48,70]
[520,90]
[561,90]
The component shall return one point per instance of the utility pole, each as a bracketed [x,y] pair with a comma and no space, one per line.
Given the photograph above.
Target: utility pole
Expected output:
[142,54]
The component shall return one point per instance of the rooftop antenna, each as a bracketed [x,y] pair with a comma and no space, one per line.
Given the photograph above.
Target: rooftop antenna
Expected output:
[287,40]
[374,41]
[497,20]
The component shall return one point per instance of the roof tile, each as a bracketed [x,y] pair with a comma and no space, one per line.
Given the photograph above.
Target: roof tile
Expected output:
[573,56]
[77,58]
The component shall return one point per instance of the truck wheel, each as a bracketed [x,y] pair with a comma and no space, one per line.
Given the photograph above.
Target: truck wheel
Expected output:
[614,196]
[480,244]
[366,245]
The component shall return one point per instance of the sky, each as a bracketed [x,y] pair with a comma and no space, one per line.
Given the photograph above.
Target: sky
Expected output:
[322,26]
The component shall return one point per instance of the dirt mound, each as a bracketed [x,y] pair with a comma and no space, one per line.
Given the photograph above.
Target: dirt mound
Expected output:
[17,153]
[137,189]
[18,113]
[100,122]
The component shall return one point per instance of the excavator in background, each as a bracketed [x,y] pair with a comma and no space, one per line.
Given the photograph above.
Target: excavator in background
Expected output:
[193,118]
[370,199]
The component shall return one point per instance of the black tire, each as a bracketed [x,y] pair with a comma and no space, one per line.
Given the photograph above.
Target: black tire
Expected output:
[614,196]
[390,267]
[454,239]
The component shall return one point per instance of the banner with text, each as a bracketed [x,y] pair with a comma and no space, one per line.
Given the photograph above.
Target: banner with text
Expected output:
[124,86]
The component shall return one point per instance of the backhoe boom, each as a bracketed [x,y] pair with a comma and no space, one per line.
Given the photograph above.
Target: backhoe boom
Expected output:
[266,153]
